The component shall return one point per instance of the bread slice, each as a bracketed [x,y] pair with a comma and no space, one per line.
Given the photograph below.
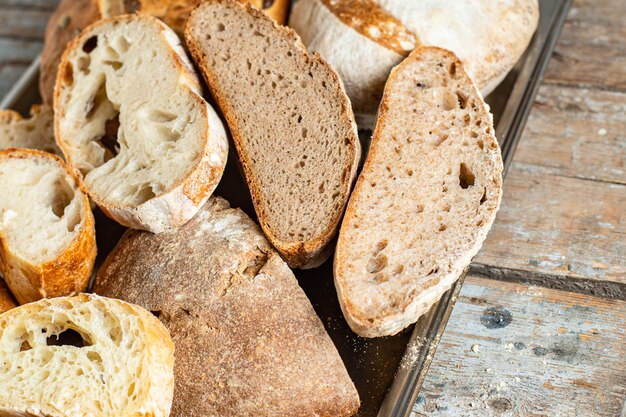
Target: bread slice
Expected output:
[149,148]
[7,301]
[47,234]
[290,119]
[426,198]
[84,356]
[36,132]
[358,39]
[248,342]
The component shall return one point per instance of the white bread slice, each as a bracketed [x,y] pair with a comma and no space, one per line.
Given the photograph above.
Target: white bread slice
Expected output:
[36,132]
[84,356]
[488,36]
[7,301]
[426,198]
[290,119]
[149,148]
[47,234]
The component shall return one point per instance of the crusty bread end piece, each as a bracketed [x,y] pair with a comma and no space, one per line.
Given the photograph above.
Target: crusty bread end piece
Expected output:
[47,234]
[36,132]
[84,356]
[290,119]
[426,198]
[149,149]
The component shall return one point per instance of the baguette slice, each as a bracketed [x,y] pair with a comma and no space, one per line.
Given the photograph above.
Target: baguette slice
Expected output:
[248,342]
[426,198]
[149,148]
[36,132]
[84,356]
[7,301]
[291,122]
[47,233]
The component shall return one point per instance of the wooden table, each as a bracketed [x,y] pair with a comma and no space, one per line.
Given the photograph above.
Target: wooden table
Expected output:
[540,326]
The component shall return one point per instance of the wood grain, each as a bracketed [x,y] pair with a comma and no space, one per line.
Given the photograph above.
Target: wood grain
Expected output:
[514,350]
[591,50]
[29,4]
[24,24]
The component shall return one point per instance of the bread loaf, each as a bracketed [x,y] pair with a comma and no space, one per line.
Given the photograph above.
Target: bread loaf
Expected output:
[290,120]
[72,16]
[84,356]
[489,37]
[248,342]
[7,301]
[149,149]
[426,198]
[36,132]
[47,235]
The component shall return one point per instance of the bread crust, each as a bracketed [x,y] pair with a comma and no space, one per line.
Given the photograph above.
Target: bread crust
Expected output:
[416,303]
[177,205]
[68,273]
[314,252]
[7,301]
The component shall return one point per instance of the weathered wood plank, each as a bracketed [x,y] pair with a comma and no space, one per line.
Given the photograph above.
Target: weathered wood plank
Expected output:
[577,133]
[9,74]
[29,4]
[560,226]
[18,51]
[27,24]
[591,50]
[515,350]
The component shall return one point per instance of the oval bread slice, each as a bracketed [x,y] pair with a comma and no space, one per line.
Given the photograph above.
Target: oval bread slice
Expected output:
[426,198]
[84,356]
[290,120]
[47,234]
[36,132]
[130,118]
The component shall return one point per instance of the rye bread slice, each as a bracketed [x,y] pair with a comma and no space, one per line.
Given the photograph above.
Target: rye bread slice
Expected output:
[426,198]
[290,119]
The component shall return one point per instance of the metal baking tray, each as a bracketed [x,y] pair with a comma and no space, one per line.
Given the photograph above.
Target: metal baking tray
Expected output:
[388,372]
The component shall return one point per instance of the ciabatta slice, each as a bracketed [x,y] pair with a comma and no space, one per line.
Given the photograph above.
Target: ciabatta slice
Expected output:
[290,119]
[84,356]
[426,198]
[47,234]
[130,118]
[36,132]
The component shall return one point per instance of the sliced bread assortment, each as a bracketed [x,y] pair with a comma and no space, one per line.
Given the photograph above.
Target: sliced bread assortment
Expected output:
[149,149]
[290,120]
[36,132]
[426,198]
[248,341]
[84,356]
[47,235]
[488,37]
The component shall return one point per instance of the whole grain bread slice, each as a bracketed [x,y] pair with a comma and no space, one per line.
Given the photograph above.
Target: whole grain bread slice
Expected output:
[36,132]
[47,233]
[84,356]
[149,149]
[290,119]
[426,198]
[248,342]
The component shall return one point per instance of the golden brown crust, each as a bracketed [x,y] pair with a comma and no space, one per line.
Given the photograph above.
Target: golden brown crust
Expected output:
[302,254]
[372,21]
[69,272]
[7,301]
[65,24]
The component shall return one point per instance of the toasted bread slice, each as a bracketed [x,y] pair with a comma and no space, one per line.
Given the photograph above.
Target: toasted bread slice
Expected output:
[149,149]
[426,198]
[84,356]
[290,119]
[47,234]
[36,132]
[248,342]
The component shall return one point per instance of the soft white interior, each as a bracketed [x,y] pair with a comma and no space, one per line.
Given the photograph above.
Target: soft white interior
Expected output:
[128,71]
[107,376]
[41,207]
[428,193]
[37,132]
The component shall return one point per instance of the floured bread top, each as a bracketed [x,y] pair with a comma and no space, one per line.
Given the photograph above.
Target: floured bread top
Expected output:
[133,132]
[42,208]
[84,356]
